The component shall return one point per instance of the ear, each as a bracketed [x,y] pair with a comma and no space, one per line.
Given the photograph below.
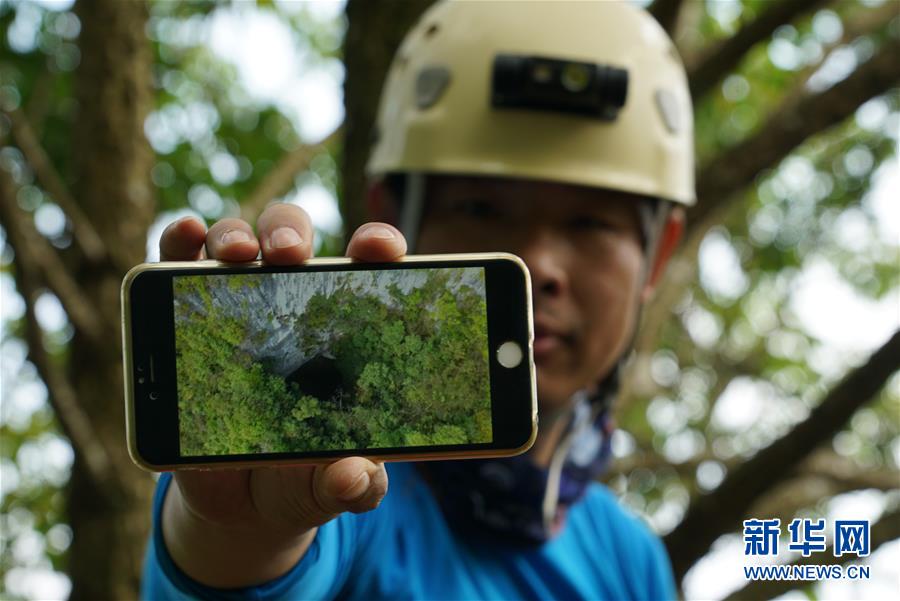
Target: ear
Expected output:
[381,204]
[668,242]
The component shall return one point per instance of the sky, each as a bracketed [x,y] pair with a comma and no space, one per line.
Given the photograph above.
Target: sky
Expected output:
[268,62]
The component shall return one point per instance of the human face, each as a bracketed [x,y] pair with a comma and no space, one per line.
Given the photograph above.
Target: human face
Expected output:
[583,248]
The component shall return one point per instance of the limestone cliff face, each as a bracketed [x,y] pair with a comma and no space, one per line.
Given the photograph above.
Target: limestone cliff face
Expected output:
[273,307]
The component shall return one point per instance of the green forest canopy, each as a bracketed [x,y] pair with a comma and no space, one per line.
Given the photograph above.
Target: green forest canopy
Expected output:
[415,369]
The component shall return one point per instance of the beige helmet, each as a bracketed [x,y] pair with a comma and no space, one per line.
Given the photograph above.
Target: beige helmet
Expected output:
[534,89]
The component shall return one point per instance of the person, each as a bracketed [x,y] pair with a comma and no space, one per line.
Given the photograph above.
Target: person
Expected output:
[560,132]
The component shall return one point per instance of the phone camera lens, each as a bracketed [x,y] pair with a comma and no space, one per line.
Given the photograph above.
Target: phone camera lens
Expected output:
[141,380]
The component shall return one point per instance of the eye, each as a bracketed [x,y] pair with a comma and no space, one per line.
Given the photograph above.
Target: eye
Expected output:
[476,208]
[591,223]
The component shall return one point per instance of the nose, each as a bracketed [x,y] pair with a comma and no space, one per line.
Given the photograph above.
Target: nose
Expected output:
[547,255]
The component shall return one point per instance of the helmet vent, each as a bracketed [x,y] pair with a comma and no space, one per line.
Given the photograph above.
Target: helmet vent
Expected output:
[667,106]
[430,86]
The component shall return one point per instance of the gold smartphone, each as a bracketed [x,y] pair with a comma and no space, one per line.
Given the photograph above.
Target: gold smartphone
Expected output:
[230,365]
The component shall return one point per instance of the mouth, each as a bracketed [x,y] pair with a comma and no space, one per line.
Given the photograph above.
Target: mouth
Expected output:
[545,344]
[548,339]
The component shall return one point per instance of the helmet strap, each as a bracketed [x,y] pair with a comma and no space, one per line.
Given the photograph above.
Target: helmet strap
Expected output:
[412,207]
[652,217]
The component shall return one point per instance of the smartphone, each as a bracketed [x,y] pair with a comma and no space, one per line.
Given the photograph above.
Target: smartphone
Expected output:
[237,365]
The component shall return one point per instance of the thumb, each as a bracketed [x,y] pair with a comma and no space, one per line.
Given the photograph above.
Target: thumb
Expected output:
[304,497]
[351,484]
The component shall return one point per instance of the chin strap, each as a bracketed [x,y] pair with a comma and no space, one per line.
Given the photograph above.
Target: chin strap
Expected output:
[585,447]
[580,420]
[412,207]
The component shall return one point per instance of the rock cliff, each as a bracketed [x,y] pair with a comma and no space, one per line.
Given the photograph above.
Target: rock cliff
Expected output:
[272,305]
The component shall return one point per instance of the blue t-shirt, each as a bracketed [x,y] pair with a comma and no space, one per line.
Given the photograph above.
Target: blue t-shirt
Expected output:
[405,550]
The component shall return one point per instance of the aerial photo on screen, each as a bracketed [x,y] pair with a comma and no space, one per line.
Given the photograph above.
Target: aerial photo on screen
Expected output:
[298,362]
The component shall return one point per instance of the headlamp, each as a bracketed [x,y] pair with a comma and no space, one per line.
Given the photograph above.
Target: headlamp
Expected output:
[549,84]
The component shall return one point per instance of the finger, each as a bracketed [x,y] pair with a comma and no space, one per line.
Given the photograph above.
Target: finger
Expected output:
[182,240]
[285,234]
[352,484]
[232,240]
[376,242]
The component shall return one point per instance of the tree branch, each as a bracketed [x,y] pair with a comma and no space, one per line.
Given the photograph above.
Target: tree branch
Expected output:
[84,233]
[796,120]
[786,500]
[713,514]
[883,531]
[666,14]
[39,103]
[723,57]
[868,22]
[650,460]
[810,486]
[735,169]
[280,179]
[848,475]
[34,255]
[75,422]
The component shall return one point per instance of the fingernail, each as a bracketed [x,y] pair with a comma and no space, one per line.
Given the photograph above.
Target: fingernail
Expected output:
[284,237]
[177,223]
[380,232]
[234,236]
[357,489]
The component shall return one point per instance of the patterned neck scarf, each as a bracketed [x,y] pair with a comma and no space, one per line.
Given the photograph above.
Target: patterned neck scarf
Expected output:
[513,499]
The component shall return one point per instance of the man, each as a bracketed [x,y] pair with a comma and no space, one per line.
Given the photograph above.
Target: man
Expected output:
[557,131]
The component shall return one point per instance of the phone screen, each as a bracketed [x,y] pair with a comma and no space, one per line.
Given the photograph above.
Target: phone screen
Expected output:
[330,360]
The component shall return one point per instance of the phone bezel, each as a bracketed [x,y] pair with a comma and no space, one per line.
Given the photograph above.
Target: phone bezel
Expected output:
[152,426]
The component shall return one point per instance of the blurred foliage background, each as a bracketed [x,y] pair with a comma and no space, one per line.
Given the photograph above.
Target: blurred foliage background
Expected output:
[763,384]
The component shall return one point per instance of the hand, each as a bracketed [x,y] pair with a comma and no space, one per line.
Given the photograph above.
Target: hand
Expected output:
[240,527]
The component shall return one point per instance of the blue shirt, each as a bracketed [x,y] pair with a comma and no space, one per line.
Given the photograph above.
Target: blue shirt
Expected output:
[405,550]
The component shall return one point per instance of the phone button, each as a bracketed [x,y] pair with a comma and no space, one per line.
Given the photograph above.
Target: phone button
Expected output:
[509,354]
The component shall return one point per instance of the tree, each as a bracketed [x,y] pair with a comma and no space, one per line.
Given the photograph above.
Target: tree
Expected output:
[756,121]
[106,193]
[797,106]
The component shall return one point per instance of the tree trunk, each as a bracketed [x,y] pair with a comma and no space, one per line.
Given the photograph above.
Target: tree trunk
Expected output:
[112,161]
[366,59]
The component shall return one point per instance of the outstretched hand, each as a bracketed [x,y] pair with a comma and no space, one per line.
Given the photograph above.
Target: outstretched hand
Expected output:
[239,527]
